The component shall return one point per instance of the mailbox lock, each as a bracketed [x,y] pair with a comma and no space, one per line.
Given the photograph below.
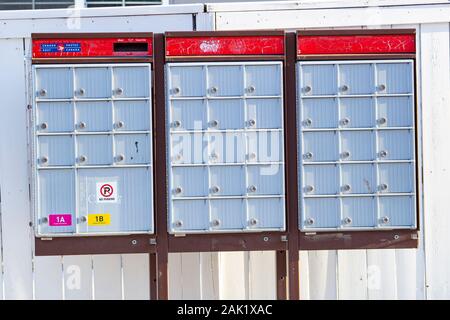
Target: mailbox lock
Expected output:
[178,190]
[253,221]
[178,223]
[119,91]
[344,88]
[43,160]
[251,89]
[383,187]
[44,125]
[81,92]
[382,87]
[345,187]
[120,124]
[381,120]
[82,219]
[215,222]
[252,188]
[307,89]
[120,158]
[345,121]
[347,220]
[176,90]
[385,219]
[134,242]
[308,155]
[177,157]
[82,158]
[252,156]
[383,154]
[309,188]
[42,92]
[44,220]
[213,156]
[213,123]
[251,122]
[307,122]
[213,90]
[82,125]
[215,189]
[345,154]
[310,221]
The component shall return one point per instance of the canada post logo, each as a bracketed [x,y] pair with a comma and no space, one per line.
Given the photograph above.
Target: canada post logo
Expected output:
[61,47]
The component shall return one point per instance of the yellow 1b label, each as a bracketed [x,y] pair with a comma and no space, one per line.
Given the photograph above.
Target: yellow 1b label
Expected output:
[101,219]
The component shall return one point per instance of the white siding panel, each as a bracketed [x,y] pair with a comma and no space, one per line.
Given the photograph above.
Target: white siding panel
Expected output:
[233,279]
[175,276]
[48,274]
[304,275]
[435,82]
[322,275]
[191,279]
[78,277]
[15,205]
[381,273]
[23,28]
[209,271]
[107,277]
[136,276]
[352,274]
[262,274]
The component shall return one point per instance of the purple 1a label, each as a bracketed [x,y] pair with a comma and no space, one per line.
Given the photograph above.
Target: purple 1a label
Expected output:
[60,220]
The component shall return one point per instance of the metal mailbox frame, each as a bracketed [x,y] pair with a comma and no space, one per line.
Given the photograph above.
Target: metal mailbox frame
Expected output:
[286,243]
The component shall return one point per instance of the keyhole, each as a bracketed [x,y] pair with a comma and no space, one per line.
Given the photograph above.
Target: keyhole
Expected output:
[137,148]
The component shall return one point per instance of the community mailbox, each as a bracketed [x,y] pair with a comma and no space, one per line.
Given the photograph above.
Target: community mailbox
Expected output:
[92,134]
[225,136]
[356,131]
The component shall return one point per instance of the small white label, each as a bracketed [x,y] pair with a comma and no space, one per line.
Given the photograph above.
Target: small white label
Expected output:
[107,192]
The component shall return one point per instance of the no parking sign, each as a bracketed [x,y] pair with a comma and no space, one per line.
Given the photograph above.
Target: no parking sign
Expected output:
[107,192]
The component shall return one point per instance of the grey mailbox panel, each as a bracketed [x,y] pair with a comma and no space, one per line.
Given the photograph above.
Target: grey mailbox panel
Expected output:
[356,153]
[92,149]
[225,147]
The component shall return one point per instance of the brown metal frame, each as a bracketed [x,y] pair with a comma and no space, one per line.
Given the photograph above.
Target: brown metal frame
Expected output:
[249,241]
[286,244]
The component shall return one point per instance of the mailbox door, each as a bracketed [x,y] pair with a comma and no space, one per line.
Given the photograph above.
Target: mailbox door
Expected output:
[56,151]
[356,79]
[56,201]
[55,117]
[93,116]
[225,80]
[131,82]
[92,82]
[134,115]
[126,209]
[54,83]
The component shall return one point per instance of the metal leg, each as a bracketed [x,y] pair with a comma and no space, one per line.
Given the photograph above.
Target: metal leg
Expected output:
[281,275]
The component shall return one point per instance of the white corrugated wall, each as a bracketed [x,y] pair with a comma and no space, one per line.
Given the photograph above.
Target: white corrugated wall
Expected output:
[355,274]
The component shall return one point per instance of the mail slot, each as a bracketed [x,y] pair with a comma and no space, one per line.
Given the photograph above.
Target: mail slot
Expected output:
[92,135]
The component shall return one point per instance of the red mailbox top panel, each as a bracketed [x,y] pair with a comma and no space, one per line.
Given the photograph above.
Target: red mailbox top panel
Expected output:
[245,45]
[351,44]
[94,47]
